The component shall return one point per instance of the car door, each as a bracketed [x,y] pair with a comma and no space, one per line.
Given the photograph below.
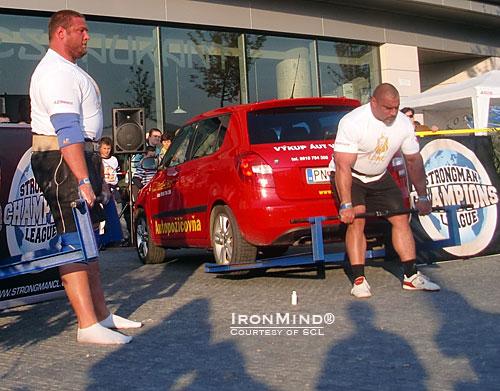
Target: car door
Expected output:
[196,177]
[168,206]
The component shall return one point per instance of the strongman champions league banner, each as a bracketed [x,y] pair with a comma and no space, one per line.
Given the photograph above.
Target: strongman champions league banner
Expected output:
[26,224]
[460,170]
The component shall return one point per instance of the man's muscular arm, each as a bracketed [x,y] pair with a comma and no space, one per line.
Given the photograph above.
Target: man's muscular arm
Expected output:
[416,171]
[71,144]
[343,182]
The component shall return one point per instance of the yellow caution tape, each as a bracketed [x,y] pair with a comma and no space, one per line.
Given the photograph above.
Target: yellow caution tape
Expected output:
[423,133]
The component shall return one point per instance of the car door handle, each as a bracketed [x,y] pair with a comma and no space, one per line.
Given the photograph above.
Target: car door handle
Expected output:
[209,170]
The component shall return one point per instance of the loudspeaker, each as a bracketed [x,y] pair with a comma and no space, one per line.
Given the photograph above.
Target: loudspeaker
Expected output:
[129,134]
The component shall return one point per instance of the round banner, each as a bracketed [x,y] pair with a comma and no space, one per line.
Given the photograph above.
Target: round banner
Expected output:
[27,218]
[456,176]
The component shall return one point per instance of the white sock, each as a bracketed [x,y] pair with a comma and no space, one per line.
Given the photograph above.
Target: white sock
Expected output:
[101,335]
[117,322]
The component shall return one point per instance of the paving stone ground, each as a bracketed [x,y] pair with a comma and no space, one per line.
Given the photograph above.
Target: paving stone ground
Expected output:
[396,340]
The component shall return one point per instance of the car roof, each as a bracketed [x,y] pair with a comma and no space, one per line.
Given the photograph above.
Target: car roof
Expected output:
[274,103]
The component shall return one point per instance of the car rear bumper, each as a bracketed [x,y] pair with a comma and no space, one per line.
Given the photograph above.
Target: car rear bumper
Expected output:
[270,225]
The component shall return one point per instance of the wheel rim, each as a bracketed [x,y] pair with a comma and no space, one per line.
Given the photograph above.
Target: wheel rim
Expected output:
[223,240]
[142,238]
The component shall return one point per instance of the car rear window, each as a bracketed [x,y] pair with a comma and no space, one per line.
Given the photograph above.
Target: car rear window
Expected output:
[290,124]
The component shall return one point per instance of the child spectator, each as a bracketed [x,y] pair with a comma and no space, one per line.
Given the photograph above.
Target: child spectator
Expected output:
[111,166]
[166,141]
[111,170]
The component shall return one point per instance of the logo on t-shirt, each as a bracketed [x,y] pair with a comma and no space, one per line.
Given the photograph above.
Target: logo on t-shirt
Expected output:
[380,150]
[62,102]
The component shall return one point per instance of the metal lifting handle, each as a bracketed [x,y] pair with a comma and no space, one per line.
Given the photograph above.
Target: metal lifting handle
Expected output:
[380,213]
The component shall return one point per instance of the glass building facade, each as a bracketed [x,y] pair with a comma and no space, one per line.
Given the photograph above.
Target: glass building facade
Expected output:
[176,73]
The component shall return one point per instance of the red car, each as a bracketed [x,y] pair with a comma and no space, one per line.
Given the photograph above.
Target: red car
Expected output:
[234,177]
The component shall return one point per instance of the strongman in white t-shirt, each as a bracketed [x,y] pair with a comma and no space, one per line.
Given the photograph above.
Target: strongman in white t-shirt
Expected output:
[366,141]
[66,117]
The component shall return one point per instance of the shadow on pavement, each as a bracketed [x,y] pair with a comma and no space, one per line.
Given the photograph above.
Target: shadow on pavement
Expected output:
[130,284]
[37,323]
[470,332]
[126,288]
[178,354]
[371,359]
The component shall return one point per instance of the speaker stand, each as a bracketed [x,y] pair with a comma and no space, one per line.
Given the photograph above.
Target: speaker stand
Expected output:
[133,239]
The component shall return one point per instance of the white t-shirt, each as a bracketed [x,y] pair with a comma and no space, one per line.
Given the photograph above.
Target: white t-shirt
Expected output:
[60,86]
[110,170]
[373,141]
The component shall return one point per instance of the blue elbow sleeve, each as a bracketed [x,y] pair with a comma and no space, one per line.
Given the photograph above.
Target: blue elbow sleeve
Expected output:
[68,129]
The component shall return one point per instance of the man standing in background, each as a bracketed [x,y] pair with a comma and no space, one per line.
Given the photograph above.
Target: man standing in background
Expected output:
[67,120]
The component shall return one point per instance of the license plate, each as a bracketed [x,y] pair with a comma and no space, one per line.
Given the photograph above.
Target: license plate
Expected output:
[317,175]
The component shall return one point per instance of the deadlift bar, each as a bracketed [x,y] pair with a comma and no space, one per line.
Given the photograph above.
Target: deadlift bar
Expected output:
[318,257]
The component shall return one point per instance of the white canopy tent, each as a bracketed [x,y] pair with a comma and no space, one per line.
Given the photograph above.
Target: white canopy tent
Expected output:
[473,96]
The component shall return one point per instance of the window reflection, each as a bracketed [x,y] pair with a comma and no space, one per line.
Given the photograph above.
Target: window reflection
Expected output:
[203,68]
[280,68]
[177,153]
[23,42]
[123,59]
[348,69]
[200,69]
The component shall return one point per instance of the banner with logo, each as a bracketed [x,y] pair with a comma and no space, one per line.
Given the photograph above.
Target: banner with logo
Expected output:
[460,170]
[26,224]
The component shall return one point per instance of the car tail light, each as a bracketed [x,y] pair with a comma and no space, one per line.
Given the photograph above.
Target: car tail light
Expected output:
[254,170]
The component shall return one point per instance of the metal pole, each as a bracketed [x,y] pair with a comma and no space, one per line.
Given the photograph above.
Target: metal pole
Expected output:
[130,201]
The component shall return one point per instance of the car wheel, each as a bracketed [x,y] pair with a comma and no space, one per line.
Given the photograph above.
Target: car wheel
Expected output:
[228,244]
[149,253]
[272,251]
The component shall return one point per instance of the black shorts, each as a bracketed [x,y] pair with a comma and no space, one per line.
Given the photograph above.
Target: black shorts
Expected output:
[60,187]
[383,194]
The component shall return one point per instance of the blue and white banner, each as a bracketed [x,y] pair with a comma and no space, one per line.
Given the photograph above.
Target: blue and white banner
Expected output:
[460,170]
[26,224]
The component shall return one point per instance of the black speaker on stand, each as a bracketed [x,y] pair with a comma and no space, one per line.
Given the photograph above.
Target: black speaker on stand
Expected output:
[129,137]
[129,133]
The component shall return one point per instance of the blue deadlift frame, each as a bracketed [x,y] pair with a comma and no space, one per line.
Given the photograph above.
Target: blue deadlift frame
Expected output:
[318,257]
[37,261]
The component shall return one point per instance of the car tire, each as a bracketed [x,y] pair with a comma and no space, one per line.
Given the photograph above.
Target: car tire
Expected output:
[149,253]
[228,243]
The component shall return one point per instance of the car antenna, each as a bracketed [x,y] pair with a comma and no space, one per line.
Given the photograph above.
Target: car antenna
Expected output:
[295,78]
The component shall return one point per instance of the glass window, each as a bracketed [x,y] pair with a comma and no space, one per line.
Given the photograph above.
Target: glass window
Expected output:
[23,42]
[223,129]
[177,153]
[201,71]
[291,124]
[348,69]
[205,142]
[280,68]
[123,60]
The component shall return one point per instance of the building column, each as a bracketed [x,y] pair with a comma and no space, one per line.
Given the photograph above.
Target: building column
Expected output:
[399,66]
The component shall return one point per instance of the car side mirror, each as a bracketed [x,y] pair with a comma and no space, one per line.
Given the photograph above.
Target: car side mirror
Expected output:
[149,163]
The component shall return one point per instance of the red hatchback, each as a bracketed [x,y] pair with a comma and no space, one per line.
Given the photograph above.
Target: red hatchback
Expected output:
[234,177]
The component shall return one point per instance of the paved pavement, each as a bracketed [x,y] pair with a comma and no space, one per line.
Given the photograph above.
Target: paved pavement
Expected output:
[396,340]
